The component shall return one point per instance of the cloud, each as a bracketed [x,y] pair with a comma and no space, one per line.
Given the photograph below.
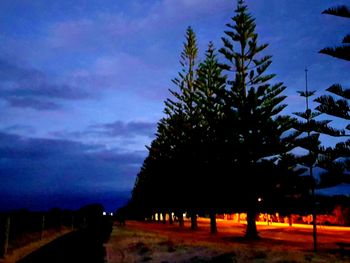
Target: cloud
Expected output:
[26,87]
[128,137]
[17,147]
[122,129]
[109,30]
[32,103]
[126,73]
[117,129]
[177,9]
[102,49]
[19,128]
[51,166]
[10,72]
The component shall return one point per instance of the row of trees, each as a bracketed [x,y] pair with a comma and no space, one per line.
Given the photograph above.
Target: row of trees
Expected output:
[224,144]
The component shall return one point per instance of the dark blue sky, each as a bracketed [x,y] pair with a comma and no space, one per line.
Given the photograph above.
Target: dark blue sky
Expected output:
[82,84]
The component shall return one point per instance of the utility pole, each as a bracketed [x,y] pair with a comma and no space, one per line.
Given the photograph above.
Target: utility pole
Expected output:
[308,112]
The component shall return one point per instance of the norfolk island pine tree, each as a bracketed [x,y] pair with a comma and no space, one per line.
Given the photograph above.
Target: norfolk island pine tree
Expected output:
[256,105]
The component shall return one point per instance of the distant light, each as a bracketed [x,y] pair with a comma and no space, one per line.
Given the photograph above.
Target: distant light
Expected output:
[104,213]
[259,199]
[111,214]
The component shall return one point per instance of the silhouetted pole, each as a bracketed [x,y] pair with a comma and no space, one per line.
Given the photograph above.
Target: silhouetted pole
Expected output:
[42,227]
[314,232]
[6,237]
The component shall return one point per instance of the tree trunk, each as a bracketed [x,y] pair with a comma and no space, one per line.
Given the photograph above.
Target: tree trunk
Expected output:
[164,218]
[194,224]
[314,230]
[213,228]
[181,220]
[268,219]
[170,218]
[251,232]
[290,220]
[314,219]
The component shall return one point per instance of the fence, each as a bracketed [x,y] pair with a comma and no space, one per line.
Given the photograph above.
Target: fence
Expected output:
[20,228]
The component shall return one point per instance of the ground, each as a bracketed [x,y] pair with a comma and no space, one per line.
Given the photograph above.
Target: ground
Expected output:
[26,245]
[157,242]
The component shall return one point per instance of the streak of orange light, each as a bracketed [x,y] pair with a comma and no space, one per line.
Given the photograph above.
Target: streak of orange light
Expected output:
[281,225]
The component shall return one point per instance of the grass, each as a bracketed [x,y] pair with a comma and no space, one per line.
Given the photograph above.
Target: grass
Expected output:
[29,242]
[152,242]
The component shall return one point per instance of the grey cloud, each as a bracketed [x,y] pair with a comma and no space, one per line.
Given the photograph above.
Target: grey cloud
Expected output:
[17,147]
[32,103]
[151,19]
[29,165]
[11,72]
[47,90]
[122,129]
[30,88]
[19,128]
[122,133]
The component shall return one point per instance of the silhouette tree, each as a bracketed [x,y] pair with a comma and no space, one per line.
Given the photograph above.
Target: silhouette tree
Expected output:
[336,160]
[172,154]
[343,51]
[145,199]
[185,111]
[255,105]
[209,96]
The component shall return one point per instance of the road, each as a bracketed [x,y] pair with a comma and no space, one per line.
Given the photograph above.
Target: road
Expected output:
[75,247]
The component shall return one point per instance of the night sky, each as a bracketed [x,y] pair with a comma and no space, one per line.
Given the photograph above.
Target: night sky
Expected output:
[82,84]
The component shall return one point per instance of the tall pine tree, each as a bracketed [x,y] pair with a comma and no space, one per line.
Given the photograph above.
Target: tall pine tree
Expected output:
[210,93]
[255,106]
[182,120]
[162,184]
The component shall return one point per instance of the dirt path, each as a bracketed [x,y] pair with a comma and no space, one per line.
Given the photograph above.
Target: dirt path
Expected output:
[21,252]
[77,247]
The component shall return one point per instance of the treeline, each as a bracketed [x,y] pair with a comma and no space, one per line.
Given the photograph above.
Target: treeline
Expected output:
[224,145]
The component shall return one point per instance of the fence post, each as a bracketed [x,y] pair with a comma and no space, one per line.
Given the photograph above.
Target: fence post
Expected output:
[6,236]
[42,227]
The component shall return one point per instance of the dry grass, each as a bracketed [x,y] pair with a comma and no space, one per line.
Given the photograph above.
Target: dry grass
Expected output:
[152,242]
[28,243]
